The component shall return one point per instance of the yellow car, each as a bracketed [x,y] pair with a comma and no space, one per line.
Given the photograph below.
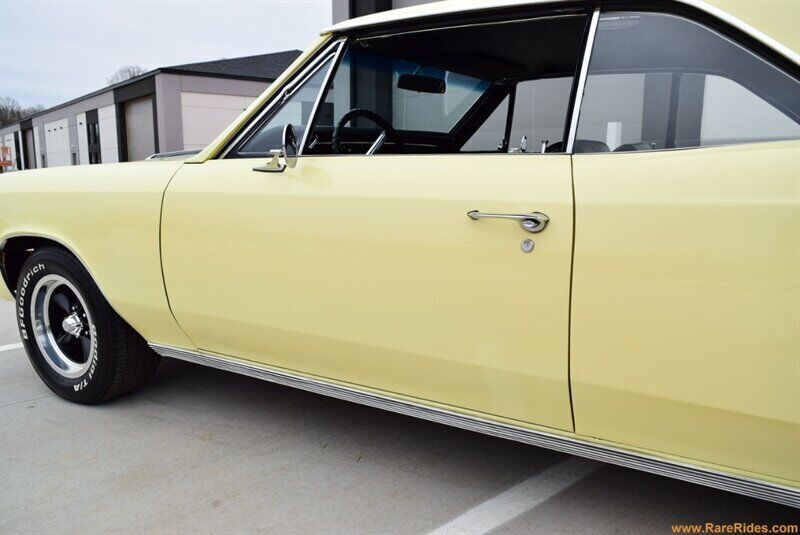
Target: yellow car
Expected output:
[570,224]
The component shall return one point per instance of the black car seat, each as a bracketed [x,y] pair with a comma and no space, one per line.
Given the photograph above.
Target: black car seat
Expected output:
[627,147]
[581,145]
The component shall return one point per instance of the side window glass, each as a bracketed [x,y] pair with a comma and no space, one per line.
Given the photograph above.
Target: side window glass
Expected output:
[489,136]
[540,113]
[730,114]
[658,81]
[448,90]
[296,110]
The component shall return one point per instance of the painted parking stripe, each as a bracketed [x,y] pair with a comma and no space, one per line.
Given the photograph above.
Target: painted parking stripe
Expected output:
[520,498]
[9,347]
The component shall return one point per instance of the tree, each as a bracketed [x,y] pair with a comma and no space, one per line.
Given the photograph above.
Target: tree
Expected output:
[11,111]
[126,72]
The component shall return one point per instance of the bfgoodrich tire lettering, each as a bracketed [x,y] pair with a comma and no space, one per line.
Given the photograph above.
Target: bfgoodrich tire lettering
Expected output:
[80,347]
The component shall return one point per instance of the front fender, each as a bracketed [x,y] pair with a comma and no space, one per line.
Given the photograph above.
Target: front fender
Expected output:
[108,216]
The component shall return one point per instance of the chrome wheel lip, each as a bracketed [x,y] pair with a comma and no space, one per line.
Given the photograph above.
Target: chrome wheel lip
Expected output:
[43,330]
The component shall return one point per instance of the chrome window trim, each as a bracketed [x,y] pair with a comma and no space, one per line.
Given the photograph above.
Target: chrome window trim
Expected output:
[584,72]
[330,52]
[322,92]
[572,445]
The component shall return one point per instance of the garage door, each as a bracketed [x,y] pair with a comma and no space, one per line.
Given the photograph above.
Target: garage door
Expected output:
[139,128]
[205,115]
[56,142]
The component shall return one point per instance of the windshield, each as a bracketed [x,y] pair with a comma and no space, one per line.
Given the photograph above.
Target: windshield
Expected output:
[370,80]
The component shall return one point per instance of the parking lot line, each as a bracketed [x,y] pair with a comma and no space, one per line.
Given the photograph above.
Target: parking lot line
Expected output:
[520,498]
[9,347]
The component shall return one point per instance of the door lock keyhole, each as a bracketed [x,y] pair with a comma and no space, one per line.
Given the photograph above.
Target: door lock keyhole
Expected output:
[527,246]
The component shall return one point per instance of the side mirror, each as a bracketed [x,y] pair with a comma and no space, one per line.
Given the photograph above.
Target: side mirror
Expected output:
[289,146]
[287,152]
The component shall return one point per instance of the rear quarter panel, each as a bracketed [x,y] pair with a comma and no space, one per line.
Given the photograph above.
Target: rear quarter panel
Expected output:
[685,308]
[109,216]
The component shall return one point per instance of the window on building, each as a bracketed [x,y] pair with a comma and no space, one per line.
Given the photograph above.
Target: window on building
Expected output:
[658,81]
[93,134]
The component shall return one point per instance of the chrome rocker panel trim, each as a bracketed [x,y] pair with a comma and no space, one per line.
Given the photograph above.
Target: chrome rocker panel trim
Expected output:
[574,446]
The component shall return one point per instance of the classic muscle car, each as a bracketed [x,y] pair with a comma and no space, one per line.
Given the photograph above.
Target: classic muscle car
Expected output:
[572,224]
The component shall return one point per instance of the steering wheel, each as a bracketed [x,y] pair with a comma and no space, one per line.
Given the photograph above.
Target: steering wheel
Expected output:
[388,130]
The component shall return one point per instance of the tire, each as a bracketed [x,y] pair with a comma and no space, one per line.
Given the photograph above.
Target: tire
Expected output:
[80,347]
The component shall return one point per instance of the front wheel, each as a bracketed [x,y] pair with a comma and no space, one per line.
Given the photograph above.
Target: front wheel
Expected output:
[80,347]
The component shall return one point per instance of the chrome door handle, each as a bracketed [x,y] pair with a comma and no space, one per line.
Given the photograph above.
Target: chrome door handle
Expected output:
[533,222]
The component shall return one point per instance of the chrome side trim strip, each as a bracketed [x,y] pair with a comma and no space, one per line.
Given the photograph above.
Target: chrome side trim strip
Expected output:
[587,56]
[570,445]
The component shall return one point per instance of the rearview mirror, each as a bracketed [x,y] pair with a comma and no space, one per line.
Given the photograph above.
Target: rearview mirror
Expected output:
[421,83]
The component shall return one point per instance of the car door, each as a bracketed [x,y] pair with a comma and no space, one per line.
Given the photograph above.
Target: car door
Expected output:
[685,293]
[367,269]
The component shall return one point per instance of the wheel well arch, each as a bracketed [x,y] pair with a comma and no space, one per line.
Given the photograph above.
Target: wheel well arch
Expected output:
[15,251]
